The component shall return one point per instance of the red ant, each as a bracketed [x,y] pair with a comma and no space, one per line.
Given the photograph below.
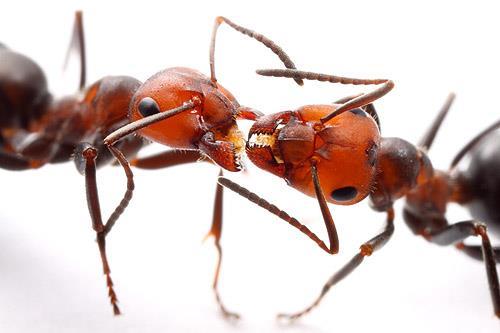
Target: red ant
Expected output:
[178,107]
[343,156]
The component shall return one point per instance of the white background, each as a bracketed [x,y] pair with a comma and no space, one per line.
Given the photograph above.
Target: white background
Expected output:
[51,277]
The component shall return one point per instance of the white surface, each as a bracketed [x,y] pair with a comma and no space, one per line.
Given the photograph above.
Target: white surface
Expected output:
[51,277]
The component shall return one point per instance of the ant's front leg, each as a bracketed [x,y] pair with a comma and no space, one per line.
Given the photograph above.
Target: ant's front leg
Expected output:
[169,158]
[177,157]
[85,159]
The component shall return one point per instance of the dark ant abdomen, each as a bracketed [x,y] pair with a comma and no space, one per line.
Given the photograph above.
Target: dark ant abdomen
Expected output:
[482,181]
[23,89]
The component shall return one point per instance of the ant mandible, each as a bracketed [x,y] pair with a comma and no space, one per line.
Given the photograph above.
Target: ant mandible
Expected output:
[317,152]
[178,107]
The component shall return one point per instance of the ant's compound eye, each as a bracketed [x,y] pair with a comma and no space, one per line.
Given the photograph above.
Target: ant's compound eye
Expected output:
[148,106]
[344,193]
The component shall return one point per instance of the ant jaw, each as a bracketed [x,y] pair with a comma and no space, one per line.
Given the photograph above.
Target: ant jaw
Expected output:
[226,151]
[223,154]
[263,150]
[263,157]
[262,146]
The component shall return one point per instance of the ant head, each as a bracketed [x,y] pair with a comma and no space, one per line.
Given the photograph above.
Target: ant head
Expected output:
[344,150]
[210,126]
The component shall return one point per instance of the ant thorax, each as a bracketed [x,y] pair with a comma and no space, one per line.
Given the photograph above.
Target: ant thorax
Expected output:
[401,168]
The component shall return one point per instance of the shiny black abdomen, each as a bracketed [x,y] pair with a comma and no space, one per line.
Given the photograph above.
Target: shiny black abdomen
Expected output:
[482,181]
[23,89]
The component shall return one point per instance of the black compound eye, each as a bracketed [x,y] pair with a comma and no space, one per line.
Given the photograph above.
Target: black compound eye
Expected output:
[148,106]
[344,193]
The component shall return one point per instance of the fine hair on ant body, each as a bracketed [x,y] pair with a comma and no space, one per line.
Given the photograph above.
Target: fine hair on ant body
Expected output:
[177,107]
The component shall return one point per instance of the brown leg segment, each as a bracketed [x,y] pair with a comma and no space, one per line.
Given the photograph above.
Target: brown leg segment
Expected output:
[88,154]
[78,43]
[428,139]
[458,232]
[216,233]
[13,162]
[476,252]
[472,143]
[366,249]
[169,158]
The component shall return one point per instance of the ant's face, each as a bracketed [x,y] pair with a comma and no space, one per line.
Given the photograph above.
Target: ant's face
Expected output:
[209,127]
[344,150]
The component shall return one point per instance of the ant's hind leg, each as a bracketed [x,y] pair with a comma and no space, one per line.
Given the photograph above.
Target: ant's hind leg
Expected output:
[216,232]
[85,159]
[458,232]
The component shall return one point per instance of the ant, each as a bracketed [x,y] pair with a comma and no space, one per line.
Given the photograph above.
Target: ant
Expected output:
[177,107]
[342,159]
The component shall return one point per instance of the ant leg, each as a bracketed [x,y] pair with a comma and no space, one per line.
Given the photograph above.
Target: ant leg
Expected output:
[15,163]
[85,158]
[78,43]
[472,143]
[429,136]
[356,102]
[458,232]
[476,252]
[120,133]
[330,226]
[216,232]
[168,158]
[366,249]
[178,157]
[261,38]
